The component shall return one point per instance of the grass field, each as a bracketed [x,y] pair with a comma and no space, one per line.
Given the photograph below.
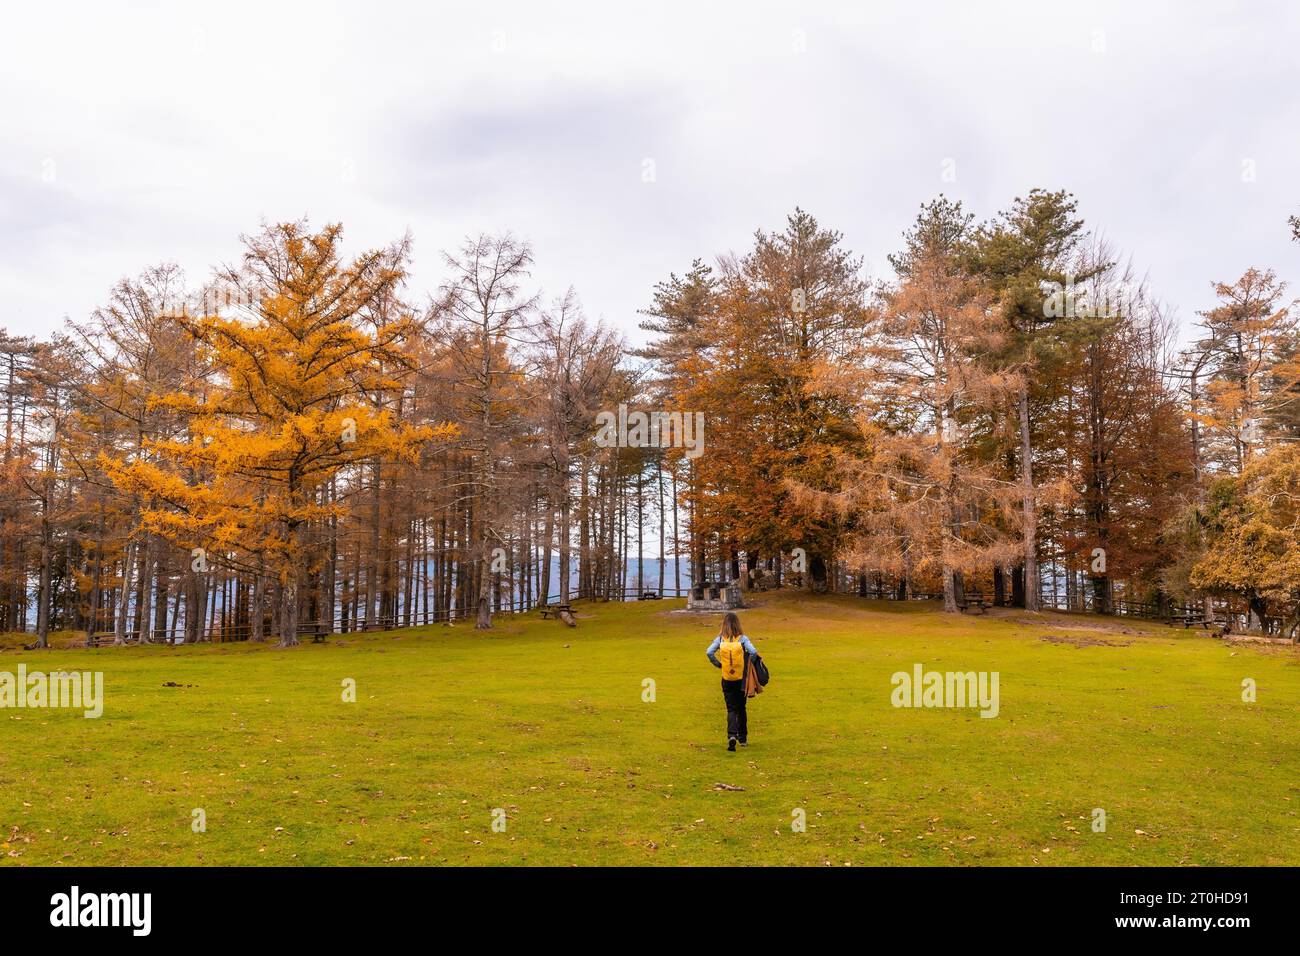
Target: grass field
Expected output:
[549,724]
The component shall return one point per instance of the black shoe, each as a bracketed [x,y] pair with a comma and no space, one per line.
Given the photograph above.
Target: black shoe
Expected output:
[744,743]
[731,743]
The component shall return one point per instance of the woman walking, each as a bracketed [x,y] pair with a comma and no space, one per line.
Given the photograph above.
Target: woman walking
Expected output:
[731,651]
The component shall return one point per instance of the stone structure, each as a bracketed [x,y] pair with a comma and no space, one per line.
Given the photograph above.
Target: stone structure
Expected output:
[711,596]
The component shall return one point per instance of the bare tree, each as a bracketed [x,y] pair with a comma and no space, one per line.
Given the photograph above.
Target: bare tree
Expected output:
[486,313]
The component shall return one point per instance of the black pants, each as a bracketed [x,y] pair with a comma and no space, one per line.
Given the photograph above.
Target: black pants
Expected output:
[733,692]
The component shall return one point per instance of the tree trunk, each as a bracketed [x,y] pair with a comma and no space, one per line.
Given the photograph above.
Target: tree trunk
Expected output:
[256,609]
[329,575]
[1102,595]
[483,621]
[1018,586]
[144,591]
[128,563]
[817,573]
[1029,509]
[949,590]
[289,613]
[640,529]
[96,577]
[677,551]
[43,594]
[290,593]
[564,531]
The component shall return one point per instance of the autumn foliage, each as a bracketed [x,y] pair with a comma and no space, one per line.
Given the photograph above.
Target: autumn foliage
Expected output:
[290,402]
[299,446]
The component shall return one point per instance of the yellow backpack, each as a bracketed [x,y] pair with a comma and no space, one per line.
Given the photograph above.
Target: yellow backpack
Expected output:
[731,654]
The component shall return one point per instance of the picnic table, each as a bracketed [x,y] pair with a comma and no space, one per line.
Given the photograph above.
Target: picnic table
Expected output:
[556,609]
[973,599]
[1187,620]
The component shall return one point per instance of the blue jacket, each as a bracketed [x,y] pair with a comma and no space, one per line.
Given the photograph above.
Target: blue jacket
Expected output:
[712,652]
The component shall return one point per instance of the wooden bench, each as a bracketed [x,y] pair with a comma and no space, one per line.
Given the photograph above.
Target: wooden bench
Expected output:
[973,599]
[648,596]
[549,610]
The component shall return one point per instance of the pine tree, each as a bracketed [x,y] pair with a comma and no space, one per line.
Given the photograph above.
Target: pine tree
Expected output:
[919,499]
[1025,248]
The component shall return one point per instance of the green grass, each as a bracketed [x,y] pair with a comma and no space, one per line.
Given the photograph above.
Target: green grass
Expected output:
[548,723]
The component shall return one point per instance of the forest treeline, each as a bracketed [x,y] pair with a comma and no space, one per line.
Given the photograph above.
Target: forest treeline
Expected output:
[303,444]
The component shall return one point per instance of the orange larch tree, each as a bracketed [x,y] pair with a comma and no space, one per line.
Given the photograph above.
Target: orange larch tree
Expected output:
[288,408]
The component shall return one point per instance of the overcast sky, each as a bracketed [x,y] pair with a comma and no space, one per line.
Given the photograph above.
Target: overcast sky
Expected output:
[622,140]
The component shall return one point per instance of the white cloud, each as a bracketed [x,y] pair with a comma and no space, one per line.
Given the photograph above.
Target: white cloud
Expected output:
[171,131]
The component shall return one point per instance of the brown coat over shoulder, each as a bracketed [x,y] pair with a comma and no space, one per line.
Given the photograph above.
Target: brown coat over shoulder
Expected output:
[752,686]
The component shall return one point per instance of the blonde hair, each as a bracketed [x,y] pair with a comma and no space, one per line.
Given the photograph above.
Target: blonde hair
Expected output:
[731,625]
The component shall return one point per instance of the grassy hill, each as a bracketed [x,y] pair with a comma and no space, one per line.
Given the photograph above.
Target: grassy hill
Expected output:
[549,724]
